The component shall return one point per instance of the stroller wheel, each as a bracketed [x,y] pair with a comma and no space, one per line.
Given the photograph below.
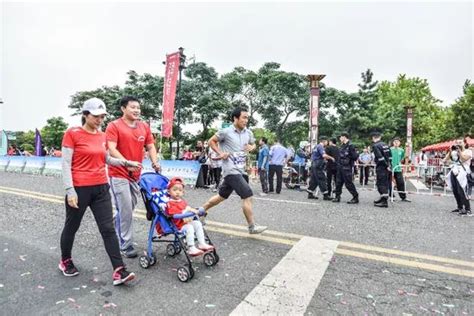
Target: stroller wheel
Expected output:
[171,250]
[216,256]
[144,262]
[184,274]
[152,260]
[210,259]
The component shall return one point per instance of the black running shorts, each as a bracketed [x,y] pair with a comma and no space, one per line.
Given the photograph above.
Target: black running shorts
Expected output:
[238,183]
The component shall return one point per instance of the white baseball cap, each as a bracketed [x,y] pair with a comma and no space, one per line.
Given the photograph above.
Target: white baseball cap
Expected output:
[94,106]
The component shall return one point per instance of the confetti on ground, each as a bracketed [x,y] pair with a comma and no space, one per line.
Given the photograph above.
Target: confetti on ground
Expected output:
[448,288]
[412,294]
[76,288]
[437,311]
[196,301]
[339,294]
[407,314]
[5,250]
[95,280]
[370,296]
[401,292]
[343,302]
[26,273]
[208,276]
[385,271]
[84,286]
[448,305]
[422,280]
[40,287]
[60,302]
[52,248]
[110,305]
[93,291]
[70,299]
[94,268]
[210,305]
[454,251]
[424,309]
[1,285]
[22,257]
[227,274]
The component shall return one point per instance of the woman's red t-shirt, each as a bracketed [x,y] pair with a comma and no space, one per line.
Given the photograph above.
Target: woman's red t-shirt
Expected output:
[88,158]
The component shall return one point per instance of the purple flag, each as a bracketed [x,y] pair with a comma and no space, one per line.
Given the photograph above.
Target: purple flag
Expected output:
[38,148]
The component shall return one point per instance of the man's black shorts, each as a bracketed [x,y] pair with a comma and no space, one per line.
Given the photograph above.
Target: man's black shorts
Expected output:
[238,183]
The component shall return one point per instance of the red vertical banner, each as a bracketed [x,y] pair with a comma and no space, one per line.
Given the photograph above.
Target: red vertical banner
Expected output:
[169,93]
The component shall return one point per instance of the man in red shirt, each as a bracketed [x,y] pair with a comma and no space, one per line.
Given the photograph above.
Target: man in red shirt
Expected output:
[126,138]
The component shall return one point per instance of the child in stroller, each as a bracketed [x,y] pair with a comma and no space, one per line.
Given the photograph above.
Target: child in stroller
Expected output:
[156,197]
[190,226]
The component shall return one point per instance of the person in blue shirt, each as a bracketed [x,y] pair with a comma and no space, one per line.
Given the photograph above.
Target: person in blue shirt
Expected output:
[318,165]
[278,159]
[262,164]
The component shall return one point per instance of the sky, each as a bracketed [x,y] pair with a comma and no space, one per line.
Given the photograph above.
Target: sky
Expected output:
[49,51]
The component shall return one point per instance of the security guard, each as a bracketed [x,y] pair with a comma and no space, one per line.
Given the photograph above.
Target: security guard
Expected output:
[318,166]
[345,168]
[383,171]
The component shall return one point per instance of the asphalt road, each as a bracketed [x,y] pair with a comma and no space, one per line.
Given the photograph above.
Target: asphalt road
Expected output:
[412,258]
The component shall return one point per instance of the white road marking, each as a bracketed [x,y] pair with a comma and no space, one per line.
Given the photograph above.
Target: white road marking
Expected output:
[290,285]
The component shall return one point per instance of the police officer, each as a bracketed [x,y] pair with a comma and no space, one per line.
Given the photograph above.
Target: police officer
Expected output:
[345,168]
[318,165]
[382,169]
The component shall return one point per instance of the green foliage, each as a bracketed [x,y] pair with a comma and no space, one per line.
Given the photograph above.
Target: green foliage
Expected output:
[461,117]
[28,147]
[52,133]
[390,112]
[23,138]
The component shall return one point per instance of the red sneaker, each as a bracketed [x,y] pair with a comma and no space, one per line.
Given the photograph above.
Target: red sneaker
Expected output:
[68,268]
[121,276]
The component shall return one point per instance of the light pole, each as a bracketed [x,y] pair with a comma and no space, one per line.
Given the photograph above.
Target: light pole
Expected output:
[314,107]
[182,65]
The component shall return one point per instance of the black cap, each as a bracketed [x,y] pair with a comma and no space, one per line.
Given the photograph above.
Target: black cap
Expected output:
[321,138]
[345,134]
[375,134]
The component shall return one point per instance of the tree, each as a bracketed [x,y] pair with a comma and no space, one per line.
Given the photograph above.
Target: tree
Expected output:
[390,110]
[25,138]
[283,94]
[241,88]
[461,116]
[205,94]
[52,134]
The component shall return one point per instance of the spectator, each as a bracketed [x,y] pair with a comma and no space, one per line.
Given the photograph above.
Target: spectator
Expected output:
[331,167]
[457,178]
[365,160]
[216,167]
[278,158]
[398,155]
[262,165]
[187,154]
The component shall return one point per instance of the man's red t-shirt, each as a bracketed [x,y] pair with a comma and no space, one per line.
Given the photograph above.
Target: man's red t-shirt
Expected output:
[130,143]
[176,207]
[88,158]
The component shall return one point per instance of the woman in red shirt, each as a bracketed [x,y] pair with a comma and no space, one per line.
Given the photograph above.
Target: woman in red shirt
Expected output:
[84,175]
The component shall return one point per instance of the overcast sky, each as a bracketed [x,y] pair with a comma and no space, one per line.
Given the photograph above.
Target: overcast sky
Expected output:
[50,51]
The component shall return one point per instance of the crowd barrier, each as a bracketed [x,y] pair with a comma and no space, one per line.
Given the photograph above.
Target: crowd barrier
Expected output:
[51,166]
[424,180]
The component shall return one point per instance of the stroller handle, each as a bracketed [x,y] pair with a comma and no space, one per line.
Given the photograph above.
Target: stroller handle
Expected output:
[190,214]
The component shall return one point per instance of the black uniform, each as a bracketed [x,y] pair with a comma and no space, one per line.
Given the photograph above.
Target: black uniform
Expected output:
[318,165]
[383,158]
[345,168]
[331,166]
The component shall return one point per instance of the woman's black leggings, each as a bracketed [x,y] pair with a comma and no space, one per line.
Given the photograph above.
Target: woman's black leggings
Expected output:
[459,194]
[97,197]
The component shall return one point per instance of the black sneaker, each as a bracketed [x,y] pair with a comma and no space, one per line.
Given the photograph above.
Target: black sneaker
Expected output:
[465,212]
[130,252]
[68,268]
[455,210]
[121,276]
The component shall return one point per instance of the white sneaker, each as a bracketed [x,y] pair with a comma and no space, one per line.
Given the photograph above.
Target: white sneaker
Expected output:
[256,229]
[263,194]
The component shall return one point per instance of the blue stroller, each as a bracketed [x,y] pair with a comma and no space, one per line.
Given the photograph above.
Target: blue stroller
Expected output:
[155,196]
